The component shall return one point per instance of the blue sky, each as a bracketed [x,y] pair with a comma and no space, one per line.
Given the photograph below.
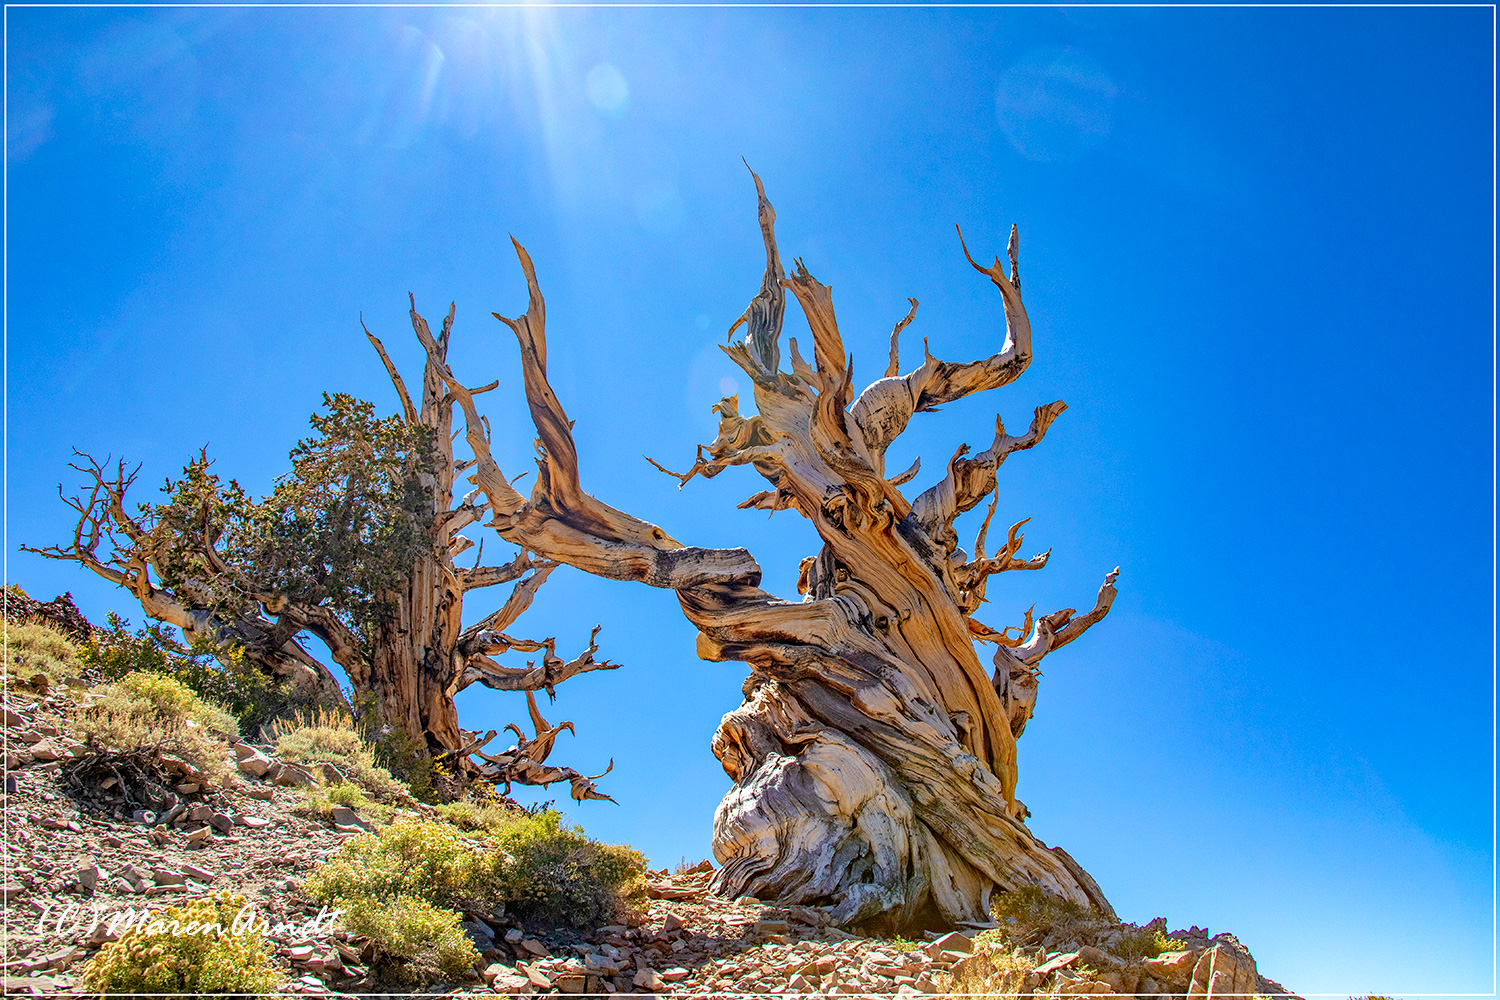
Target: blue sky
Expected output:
[1257,252]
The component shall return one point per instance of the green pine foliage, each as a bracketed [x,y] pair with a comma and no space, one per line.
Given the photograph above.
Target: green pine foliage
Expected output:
[338,530]
[348,521]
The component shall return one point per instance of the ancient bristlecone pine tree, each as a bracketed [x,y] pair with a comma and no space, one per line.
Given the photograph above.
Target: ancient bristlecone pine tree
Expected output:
[874,757]
[186,563]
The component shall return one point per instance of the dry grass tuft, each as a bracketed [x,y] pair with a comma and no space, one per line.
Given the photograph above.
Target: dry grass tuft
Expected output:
[328,736]
[142,713]
[39,657]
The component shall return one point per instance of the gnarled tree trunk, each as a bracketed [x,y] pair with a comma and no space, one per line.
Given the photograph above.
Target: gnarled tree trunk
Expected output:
[421,655]
[874,757]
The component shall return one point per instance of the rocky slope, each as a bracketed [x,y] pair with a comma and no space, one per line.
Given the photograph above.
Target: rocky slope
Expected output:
[90,838]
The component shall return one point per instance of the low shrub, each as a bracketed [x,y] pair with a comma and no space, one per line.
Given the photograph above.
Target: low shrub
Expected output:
[40,657]
[482,814]
[186,949]
[409,761]
[328,736]
[901,944]
[320,802]
[560,876]
[415,942]
[1033,906]
[404,886]
[144,712]
[995,971]
[1144,942]
[421,859]
[1033,918]
[175,701]
[218,674]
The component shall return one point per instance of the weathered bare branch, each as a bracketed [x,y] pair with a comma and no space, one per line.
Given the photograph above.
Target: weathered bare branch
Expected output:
[1016,673]
[406,405]
[766,311]
[1060,628]
[771,500]
[740,441]
[466,513]
[902,478]
[885,407]
[970,480]
[489,576]
[561,522]
[983,633]
[894,367]
[534,677]
[816,299]
[973,575]
[436,406]
[525,763]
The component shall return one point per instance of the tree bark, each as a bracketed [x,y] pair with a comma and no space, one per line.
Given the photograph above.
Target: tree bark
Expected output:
[421,655]
[874,757]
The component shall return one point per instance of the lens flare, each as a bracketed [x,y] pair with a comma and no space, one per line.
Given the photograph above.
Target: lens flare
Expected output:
[607,89]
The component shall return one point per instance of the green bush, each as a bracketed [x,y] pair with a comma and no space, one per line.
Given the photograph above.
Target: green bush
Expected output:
[469,814]
[328,736]
[560,876]
[415,942]
[1032,905]
[219,674]
[175,701]
[39,651]
[402,889]
[421,859]
[186,949]
[538,868]
[144,712]
[1145,942]
[404,757]
[321,801]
